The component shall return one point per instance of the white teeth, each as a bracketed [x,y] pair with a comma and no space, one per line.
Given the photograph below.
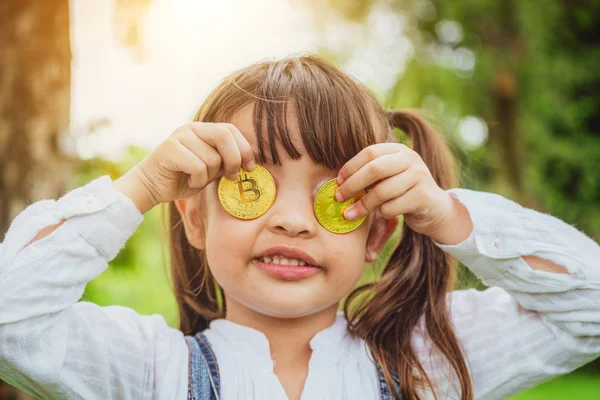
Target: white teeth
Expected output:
[282,261]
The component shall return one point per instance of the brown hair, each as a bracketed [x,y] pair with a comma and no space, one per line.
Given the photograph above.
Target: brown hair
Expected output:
[337,117]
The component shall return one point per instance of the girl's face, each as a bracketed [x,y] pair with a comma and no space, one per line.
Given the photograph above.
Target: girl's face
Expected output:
[233,245]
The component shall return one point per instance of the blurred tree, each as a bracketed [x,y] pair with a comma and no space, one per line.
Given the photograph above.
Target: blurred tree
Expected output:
[35,59]
[36,149]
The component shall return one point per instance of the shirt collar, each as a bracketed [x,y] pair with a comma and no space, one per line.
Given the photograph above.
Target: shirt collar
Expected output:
[246,343]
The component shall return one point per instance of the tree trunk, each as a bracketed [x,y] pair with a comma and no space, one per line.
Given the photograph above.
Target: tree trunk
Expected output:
[505,135]
[35,91]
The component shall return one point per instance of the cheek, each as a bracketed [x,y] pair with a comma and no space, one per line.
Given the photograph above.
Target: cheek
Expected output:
[345,251]
[346,257]
[223,230]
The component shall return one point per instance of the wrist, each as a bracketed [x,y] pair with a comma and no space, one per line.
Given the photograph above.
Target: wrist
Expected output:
[133,187]
[456,227]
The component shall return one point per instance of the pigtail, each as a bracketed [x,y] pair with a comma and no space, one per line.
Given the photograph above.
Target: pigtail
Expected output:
[429,144]
[413,286]
[194,286]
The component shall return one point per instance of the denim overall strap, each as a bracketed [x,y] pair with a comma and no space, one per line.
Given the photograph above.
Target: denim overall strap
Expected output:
[204,377]
[385,392]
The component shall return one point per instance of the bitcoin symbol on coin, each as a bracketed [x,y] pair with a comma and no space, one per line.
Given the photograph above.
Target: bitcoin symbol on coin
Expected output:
[329,212]
[334,210]
[250,196]
[248,185]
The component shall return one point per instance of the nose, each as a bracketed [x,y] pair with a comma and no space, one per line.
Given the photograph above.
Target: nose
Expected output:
[292,214]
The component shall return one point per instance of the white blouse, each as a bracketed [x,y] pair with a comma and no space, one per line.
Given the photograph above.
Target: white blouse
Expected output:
[529,326]
[338,367]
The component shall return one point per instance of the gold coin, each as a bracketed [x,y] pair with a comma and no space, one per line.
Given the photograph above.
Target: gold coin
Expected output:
[329,211]
[249,196]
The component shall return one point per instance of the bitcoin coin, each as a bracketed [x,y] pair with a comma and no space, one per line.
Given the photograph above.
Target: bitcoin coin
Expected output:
[250,196]
[329,211]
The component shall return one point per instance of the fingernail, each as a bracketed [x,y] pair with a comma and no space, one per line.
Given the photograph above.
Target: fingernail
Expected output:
[250,165]
[234,177]
[338,196]
[350,213]
[339,180]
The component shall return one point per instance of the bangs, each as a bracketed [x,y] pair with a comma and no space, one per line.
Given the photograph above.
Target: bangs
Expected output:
[337,116]
[333,113]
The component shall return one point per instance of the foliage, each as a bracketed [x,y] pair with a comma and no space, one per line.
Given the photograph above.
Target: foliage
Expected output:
[530,71]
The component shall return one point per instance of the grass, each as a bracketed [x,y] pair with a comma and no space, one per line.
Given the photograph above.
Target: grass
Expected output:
[576,386]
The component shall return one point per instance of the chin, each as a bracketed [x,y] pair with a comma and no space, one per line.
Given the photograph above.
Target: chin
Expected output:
[286,306]
[289,306]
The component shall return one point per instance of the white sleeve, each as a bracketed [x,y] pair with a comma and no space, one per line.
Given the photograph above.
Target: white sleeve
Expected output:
[529,325]
[53,346]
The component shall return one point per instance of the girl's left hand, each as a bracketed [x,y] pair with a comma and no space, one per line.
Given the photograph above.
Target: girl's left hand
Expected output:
[400,184]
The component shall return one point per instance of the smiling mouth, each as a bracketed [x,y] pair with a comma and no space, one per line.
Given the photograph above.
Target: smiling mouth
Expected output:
[286,261]
[286,269]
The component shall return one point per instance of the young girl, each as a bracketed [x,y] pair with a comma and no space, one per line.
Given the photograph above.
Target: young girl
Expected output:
[259,294]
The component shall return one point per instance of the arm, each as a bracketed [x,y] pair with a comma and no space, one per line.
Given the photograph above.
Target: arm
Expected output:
[129,187]
[540,316]
[459,226]
[53,346]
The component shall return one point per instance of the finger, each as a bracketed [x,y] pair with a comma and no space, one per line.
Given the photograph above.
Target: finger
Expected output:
[221,139]
[400,205]
[366,155]
[245,149]
[385,191]
[188,162]
[204,151]
[380,168]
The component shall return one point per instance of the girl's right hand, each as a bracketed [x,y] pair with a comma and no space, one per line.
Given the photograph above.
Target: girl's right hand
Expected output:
[189,159]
